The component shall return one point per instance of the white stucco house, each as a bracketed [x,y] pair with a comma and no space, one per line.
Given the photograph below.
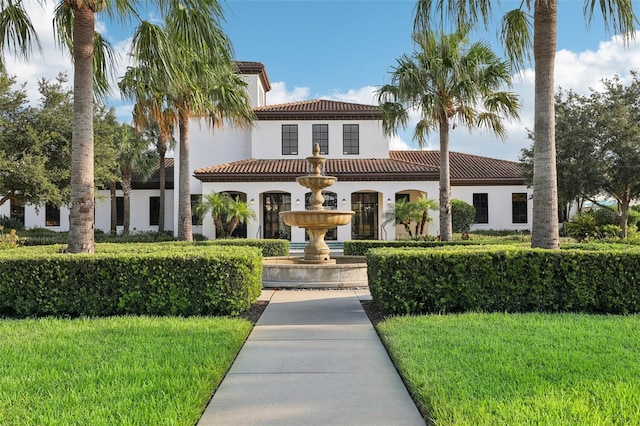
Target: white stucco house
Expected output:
[260,165]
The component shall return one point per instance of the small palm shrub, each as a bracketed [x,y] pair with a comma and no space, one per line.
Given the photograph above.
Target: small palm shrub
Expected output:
[581,227]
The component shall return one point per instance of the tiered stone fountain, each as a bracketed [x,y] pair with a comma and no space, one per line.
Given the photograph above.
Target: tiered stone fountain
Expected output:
[316,220]
[316,268]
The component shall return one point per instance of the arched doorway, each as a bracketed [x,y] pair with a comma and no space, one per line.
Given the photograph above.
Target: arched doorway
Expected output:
[273,203]
[364,225]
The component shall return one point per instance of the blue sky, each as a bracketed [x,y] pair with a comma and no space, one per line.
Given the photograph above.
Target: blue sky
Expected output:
[344,49]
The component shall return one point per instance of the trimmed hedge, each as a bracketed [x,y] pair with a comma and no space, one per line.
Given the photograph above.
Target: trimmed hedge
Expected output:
[505,279]
[361,247]
[269,247]
[138,279]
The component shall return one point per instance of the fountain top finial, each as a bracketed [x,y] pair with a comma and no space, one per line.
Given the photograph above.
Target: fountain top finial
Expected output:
[316,160]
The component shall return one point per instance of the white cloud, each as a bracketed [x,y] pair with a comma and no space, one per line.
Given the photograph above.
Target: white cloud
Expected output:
[396,143]
[280,95]
[47,63]
[364,95]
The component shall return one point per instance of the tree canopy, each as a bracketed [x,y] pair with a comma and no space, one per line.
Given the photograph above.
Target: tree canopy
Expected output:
[35,142]
[598,145]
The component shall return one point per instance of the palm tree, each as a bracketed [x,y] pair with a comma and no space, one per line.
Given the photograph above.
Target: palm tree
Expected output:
[237,212]
[208,85]
[160,133]
[134,158]
[515,34]
[422,206]
[450,81]
[402,213]
[216,203]
[75,27]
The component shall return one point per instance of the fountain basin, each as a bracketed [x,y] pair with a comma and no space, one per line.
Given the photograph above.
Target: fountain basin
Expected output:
[316,223]
[317,218]
[316,182]
[289,272]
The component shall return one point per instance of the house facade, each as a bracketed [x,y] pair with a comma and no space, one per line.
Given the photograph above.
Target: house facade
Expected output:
[259,165]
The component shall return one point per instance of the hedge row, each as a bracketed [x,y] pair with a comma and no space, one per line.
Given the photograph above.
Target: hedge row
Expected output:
[361,247]
[505,279]
[268,247]
[145,279]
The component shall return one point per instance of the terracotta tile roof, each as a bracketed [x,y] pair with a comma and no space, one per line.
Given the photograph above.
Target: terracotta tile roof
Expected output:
[248,67]
[318,109]
[356,169]
[467,167]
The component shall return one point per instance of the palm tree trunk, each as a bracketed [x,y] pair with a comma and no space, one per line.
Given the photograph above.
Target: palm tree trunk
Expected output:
[184,192]
[217,224]
[233,224]
[423,222]
[545,182]
[162,151]
[126,192]
[446,231]
[114,209]
[81,216]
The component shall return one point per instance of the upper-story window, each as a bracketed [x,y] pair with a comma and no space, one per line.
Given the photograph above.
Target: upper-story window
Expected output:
[289,139]
[350,139]
[321,137]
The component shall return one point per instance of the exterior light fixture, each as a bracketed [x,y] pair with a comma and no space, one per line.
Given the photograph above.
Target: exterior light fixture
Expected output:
[298,202]
[252,201]
[388,201]
[344,201]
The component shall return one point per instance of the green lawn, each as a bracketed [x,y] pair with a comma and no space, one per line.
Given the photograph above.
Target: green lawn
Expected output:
[113,371]
[529,369]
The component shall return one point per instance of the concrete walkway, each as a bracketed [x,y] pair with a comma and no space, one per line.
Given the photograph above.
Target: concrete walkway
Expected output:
[313,359]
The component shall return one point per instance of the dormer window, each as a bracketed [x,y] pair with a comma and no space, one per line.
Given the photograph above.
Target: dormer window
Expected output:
[289,139]
[350,139]
[321,137]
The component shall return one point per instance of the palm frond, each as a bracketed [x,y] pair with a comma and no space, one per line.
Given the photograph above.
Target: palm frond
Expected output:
[516,31]
[617,15]
[16,30]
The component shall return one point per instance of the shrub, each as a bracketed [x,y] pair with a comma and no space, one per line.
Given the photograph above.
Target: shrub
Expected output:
[361,247]
[505,279]
[609,231]
[9,240]
[581,227]
[268,247]
[121,279]
[10,223]
[604,216]
[463,215]
[634,218]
